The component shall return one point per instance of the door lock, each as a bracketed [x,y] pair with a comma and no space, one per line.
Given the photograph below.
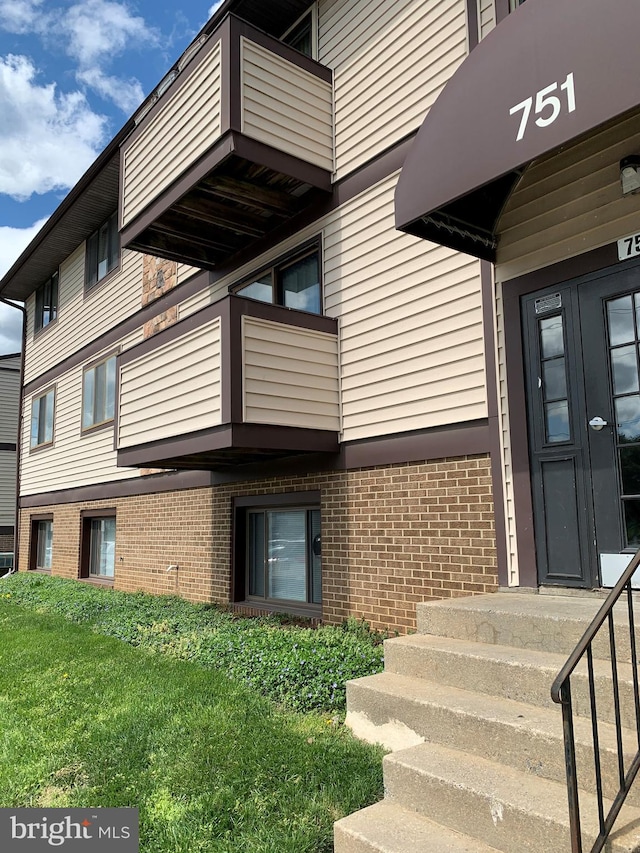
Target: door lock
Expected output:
[597,423]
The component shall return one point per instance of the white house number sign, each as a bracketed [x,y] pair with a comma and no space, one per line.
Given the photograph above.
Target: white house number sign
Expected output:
[548,106]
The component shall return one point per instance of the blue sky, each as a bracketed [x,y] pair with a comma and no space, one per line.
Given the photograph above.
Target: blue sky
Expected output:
[71,72]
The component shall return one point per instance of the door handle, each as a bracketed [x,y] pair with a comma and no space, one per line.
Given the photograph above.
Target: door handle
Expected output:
[597,423]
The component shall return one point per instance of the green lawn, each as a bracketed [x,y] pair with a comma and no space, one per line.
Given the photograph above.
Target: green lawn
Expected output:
[86,720]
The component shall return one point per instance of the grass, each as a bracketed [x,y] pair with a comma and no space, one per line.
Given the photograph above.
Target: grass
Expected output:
[300,668]
[87,720]
[196,718]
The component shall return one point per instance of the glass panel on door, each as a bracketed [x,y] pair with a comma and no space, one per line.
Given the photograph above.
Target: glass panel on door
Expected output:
[623,318]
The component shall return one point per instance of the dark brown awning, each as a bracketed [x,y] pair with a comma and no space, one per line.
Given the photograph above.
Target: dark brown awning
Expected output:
[467,155]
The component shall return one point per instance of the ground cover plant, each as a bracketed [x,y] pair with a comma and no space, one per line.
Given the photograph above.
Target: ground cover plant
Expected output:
[213,767]
[305,669]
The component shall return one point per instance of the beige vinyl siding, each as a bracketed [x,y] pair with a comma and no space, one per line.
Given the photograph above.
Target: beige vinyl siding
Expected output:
[290,376]
[399,56]
[285,106]
[74,459]
[411,341]
[486,17]
[184,271]
[173,390]
[7,488]
[569,203]
[9,402]
[82,318]
[181,132]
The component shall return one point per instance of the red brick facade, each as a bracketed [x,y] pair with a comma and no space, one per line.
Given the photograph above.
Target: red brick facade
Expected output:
[391,536]
[6,543]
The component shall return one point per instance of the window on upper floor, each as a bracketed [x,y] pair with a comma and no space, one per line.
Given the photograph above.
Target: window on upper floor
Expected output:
[42,418]
[302,35]
[103,252]
[46,303]
[293,283]
[98,393]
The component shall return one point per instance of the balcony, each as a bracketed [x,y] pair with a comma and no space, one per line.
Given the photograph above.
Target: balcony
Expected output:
[239,143]
[237,382]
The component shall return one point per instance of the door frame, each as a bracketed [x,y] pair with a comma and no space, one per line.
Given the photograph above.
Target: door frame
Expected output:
[582,268]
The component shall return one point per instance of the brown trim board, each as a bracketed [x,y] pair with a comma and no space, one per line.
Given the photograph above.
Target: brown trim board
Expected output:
[8,447]
[468,439]
[7,530]
[473,24]
[150,485]
[502,10]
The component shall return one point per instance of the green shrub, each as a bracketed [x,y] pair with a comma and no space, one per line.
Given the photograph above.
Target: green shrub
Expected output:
[304,669]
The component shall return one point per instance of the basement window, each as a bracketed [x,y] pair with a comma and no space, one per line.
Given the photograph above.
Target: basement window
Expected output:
[98,548]
[278,552]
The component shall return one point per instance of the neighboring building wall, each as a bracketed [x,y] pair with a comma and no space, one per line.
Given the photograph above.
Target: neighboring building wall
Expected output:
[392,536]
[486,17]
[9,408]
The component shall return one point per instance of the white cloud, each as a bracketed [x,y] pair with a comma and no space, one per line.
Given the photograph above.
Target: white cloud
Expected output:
[92,33]
[14,240]
[125,94]
[100,29]
[215,7]
[47,139]
[12,243]
[20,16]
[10,329]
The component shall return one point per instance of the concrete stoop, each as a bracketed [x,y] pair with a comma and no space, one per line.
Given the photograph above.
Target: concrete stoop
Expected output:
[477,761]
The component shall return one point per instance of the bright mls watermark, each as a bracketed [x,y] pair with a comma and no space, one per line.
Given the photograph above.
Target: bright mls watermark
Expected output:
[70,830]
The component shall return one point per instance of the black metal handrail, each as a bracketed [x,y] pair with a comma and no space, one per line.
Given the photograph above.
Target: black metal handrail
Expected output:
[561,693]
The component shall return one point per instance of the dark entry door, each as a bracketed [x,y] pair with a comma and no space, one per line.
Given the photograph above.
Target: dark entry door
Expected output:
[583,395]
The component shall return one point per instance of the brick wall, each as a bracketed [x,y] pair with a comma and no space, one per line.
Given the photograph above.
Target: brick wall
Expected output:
[6,543]
[391,536]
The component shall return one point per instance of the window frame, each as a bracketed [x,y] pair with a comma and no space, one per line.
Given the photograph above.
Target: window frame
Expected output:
[34,546]
[47,442]
[53,283]
[275,270]
[87,517]
[312,14]
[107,423]
[244,507]
[114,254]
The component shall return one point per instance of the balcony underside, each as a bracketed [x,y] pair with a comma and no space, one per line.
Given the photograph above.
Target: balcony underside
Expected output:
[226,447]
[236,196]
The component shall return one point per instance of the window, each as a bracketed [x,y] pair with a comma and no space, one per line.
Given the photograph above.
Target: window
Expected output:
[98,554]
[41,544]
[294,283]
[283,554]
[103,251]
[98,393]
[46,303]
[301,35]
[42,413]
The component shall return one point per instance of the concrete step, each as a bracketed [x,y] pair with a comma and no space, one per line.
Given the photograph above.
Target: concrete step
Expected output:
[523,675]
[399,711]
[508,810]
[551,623]
[388,828]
